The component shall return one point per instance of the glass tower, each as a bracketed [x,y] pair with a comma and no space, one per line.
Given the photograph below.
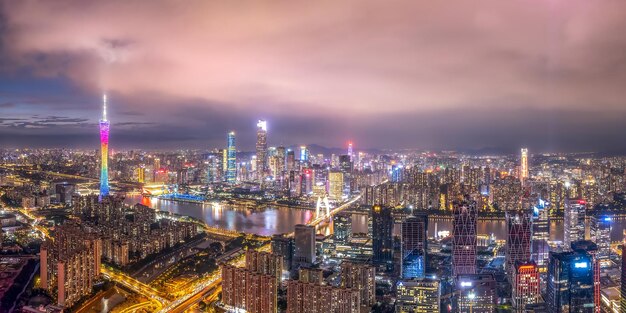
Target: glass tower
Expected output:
[231,160]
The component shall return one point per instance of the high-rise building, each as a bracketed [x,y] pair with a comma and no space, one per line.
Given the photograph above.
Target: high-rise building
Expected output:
[304,154]
[231,161]
[600,233]
[570,282]
[264,263]
[311,275]
[304,245]
[350,152]
[574,221]
[362,277]
[104,150]
[525,285]
[418,295]
[316,298]
[70,264]
[623,279]
[414,239]
[342,228]
[261,148]
[335,186]
[283,246]
[524,166]
[247,290]
[464,237]
[590,248]
[540,235]
[518,225]
[382,236]
[476,293]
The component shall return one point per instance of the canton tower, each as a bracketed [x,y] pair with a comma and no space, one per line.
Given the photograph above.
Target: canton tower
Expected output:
[104,150]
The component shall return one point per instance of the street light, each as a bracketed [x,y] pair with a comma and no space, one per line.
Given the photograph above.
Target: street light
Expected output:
[471,296]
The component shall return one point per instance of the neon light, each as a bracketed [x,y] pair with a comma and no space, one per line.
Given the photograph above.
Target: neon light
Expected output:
[466,284]
[580,265]
[608,219]
[104,150]
[526,267]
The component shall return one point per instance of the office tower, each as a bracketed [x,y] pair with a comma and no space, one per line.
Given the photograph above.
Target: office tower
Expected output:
[382,236]
[524,166]
[316,298]
[104,150]
[261,148]
[304,154]
[290,162]
[280,163]
[345,164]
[350,152]
[311,275]
[70,264]
[304,248]
[335,186]
[518,224]
[265,263]
[464,237]
[283,246]
[476,293]
[574,221]
[570,283]
[525,285]
[623,279]
[231,163]
[362,277]
[140,174]
[247,290]
[342,228]
[418,295]
[591,249]
[600,233]
[540,235]
[414,237]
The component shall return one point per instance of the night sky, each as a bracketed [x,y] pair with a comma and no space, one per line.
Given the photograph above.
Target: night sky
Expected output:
[466,75]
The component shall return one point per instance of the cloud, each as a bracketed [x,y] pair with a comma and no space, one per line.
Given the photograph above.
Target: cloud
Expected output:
[332,67]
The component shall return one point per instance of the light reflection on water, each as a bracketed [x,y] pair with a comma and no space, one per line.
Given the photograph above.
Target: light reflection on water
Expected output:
[282,220]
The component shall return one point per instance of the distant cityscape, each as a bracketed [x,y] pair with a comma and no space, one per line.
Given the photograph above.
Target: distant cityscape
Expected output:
[287,229]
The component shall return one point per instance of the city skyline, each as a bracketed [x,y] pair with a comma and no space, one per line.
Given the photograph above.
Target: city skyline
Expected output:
[549,80]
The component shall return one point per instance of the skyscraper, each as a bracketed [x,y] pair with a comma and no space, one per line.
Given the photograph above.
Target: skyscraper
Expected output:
[623,279]
[524,166]
[335,186]
[248,290]
[283,245]
[304,245]
[600,233]
[540,235]
[518,225]
[476,293]
[525,285]
[316,298]
[342,226]
[464,237]
[350,152]
[414,246]
[231,162]
[304,154]
[362,277]
[104,150]
[418,295]
[382,236]
[261,149]
[591,249]
[570,283]
[574,221]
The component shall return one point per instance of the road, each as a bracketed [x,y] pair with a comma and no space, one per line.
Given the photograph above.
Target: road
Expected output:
[133,284]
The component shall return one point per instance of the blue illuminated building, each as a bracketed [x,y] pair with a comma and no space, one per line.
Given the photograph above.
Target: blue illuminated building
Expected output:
[414,246]
[231,162]
[571,281]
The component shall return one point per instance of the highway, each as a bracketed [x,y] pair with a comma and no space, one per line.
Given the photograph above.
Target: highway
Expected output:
[133,284]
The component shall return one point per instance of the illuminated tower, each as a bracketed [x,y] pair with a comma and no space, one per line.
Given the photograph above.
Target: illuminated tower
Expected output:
[261,149]
[104,150]
[524,166]
[518,225]
[350,151]
[231,161]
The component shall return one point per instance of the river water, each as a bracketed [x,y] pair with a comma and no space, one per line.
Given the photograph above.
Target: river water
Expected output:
[282,220]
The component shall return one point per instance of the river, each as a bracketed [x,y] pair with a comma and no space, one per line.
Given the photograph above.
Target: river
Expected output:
[282,220]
